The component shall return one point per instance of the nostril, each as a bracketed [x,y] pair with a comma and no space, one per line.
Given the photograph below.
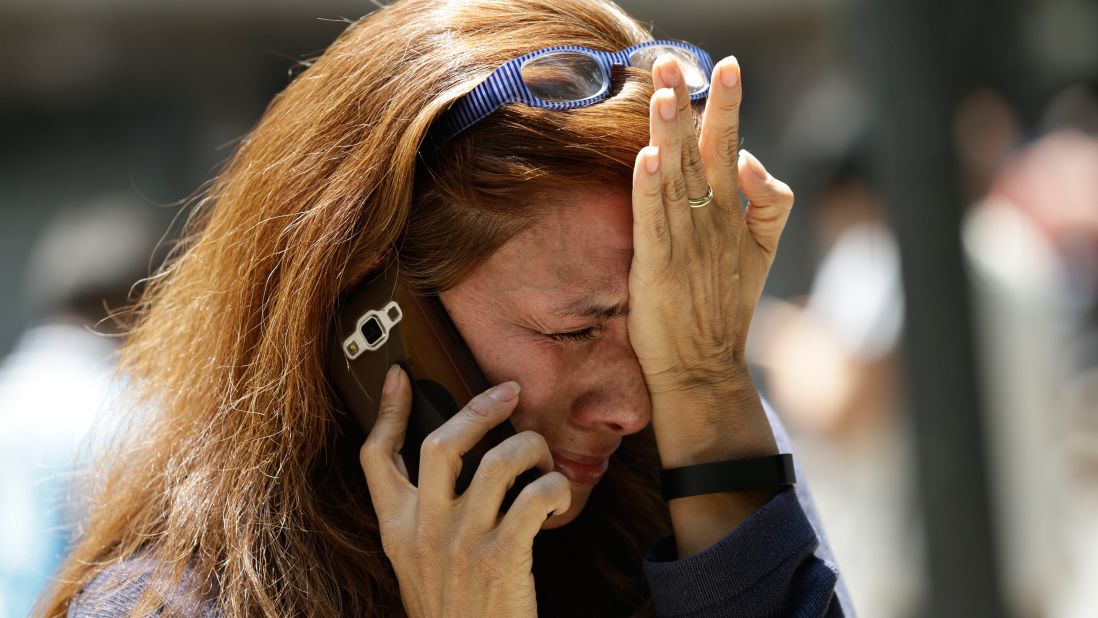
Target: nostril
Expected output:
[616,411]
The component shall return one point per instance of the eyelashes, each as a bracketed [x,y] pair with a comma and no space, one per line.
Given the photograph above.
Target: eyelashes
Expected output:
[583,334]
[575,336]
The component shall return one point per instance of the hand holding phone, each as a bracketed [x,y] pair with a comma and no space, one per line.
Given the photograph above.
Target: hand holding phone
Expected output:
[458,554]
[459,495]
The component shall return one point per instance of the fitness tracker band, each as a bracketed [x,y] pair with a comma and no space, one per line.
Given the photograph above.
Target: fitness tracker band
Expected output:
[730,475]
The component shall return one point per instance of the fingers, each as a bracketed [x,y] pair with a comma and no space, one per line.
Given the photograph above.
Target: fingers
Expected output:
[497,473]
[666,135]
[666,73]
[720,137]
[386,476]
[651,231]
[770,199]
[440,455]
[550,494]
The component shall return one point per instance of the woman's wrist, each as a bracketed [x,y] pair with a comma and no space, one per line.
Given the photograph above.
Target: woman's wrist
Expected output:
[724,420]
[715,422]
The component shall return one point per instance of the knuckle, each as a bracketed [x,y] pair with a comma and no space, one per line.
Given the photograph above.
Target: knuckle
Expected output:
[437,445]
[494,464]
[786,194]
[540,495]
[693,158]
[479,406]
[369,454]
[534,441]
[675,188]
[653,194]
[729,135]
[667,273]
[657,226]
[729,106]
[548,491]
[728,151]
[560,489]
[386,410]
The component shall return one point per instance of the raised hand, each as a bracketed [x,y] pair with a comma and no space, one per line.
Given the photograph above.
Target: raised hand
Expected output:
[697,273]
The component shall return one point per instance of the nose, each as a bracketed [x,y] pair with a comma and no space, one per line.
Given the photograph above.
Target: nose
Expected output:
[615,397]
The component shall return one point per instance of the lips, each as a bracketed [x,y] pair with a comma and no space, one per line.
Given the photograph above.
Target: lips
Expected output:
[581,469]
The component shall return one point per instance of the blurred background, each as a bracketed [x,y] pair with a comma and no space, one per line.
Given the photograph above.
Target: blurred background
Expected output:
[930,329]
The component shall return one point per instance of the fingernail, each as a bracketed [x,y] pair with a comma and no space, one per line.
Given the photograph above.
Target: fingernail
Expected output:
[667,106]
[391,379]
[757,167]
[730,76]
[651,159]
[672,76]
[505,392]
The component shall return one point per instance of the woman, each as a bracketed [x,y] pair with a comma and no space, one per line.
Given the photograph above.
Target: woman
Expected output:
[564,247]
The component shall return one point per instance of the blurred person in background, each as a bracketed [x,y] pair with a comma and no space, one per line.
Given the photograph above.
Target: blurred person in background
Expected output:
[830,359]
[830,363]
[58,380]
[1031,243]
[247,491]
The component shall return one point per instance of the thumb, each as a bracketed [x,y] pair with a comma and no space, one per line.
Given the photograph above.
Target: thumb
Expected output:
[770,202]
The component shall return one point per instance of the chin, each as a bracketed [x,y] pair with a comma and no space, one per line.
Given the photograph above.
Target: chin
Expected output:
[580,494]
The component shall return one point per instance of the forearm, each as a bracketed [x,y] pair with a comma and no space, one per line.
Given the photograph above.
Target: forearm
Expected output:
[736,428]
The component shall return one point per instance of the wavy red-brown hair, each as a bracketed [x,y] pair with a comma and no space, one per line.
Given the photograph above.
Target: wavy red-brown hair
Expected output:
[243,471]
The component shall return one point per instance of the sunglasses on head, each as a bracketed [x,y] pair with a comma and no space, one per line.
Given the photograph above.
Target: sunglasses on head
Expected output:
[566,77]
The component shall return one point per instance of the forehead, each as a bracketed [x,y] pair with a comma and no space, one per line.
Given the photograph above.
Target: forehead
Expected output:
[583,245]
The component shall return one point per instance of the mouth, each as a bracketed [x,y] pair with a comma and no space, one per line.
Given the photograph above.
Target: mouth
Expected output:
[581,469]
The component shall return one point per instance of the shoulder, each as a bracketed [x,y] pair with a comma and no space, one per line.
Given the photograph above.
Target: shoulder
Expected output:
[117,589]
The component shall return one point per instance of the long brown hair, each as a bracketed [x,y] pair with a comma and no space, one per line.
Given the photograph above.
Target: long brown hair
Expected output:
[243,473]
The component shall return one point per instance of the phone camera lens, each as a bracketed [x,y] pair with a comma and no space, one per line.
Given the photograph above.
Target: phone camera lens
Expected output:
[372,331]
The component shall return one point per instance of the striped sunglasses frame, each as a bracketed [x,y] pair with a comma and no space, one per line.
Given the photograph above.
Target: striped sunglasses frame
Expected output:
[506,85]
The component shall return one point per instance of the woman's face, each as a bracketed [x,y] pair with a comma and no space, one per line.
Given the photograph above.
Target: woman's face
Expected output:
[548,311]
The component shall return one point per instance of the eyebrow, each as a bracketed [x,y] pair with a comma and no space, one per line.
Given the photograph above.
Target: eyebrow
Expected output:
[586,308]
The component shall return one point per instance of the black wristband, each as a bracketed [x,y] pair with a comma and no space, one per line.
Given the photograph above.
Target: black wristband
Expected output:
[730,475]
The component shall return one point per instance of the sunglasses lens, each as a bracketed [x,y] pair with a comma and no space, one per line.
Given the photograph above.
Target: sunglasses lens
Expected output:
[563,76]
[696,78]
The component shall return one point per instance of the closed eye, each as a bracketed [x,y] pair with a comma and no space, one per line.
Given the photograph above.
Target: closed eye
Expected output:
[577,335]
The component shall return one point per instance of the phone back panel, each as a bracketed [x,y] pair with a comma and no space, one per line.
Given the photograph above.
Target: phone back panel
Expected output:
[429,347]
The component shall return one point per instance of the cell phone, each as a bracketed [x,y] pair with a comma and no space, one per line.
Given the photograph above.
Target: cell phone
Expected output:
[380,322]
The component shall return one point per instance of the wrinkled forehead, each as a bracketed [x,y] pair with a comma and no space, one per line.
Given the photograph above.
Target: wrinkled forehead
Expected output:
[583,236]
[582,246]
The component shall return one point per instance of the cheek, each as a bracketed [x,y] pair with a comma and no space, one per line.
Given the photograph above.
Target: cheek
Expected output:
[541,369]
[545,381]
[502,351]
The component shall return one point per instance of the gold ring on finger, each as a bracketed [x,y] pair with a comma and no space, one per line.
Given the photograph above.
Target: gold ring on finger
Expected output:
[702,201]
